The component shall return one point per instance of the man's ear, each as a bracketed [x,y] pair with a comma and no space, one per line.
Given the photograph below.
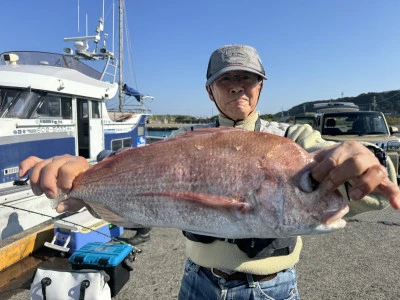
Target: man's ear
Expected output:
[261,86]
[210,94]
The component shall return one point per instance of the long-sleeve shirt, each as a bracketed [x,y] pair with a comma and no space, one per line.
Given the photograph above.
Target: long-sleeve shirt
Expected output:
[226,256]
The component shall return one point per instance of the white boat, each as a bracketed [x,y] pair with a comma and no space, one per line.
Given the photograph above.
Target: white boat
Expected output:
[53,104]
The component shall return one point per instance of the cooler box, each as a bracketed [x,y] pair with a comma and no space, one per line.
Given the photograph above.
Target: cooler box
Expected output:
[115,259]
[73,232]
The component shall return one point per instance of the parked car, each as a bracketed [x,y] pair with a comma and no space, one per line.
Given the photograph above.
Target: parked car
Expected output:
[363,126]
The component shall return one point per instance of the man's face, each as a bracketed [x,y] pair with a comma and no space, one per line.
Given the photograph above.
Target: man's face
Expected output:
[236,93]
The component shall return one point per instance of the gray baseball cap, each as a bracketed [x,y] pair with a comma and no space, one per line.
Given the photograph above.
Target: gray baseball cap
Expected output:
[232,58]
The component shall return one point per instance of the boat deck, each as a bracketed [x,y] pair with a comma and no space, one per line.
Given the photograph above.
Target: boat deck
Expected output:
[14,189]
[351,261]
[15,192]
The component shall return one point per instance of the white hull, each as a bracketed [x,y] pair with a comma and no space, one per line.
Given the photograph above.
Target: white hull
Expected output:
[13,221]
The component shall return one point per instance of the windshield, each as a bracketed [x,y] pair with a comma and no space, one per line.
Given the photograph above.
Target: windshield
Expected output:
[56,60]
[22,106]
[6,96]
[354,124]
[28,104]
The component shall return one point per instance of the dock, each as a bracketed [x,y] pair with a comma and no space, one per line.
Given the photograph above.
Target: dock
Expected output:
[357,262]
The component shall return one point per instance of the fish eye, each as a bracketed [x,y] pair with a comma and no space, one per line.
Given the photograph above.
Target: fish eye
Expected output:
[307,183]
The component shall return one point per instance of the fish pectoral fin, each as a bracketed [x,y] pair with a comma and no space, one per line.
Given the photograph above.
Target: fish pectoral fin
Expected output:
[100,212]
[206,200]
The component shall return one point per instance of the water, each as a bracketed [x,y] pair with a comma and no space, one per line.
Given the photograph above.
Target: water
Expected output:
[157,135]
[158,132]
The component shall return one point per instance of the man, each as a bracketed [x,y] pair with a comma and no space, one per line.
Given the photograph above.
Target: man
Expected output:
[248,268]
[218,269]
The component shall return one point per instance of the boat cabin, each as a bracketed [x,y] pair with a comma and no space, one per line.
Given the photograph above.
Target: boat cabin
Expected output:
[53,104]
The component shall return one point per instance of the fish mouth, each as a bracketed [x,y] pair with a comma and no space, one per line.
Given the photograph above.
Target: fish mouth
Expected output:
[334,218]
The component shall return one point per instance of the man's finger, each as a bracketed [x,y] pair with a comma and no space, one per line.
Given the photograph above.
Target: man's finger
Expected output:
[68,172]
[51,180]
[28,164]
[367,182]
[70,204]
[35,177]
[327,161]
[391,191]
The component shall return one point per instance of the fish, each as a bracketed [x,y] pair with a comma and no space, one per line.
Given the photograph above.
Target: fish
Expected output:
[221,182]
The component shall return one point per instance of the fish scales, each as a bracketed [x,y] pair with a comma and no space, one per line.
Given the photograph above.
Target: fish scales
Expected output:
[222,182]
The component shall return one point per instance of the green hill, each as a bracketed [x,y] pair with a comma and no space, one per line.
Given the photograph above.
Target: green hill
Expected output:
[386,102]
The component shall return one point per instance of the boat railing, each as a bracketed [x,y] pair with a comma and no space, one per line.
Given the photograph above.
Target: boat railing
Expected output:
[112,64]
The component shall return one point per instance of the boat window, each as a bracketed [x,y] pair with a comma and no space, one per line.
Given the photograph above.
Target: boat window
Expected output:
[23,105]
[53,106]
[66,108]
[56,60]
[141,130]
[6,96]
[121,143]
[84,111]
[96,109]
[50,107]
[116,145]
[127,143]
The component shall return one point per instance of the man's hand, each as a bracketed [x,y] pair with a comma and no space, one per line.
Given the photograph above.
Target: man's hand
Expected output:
[354,163]
[53,174]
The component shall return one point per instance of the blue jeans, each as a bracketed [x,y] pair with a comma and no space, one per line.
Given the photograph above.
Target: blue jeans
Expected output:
[200,283]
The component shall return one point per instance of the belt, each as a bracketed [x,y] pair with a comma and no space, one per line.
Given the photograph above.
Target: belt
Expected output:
[241,276]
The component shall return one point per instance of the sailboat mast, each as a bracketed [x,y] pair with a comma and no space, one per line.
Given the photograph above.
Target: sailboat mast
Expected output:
[121,54]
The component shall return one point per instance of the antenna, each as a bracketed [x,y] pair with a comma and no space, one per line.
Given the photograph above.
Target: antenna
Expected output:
[82,43]
[121,48]
[113,17]
[78,15]
[103,11]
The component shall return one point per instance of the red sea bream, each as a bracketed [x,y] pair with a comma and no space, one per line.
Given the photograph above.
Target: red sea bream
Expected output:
[222,182]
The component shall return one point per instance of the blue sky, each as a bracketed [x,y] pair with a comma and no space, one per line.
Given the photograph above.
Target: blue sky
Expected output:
[311,49]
